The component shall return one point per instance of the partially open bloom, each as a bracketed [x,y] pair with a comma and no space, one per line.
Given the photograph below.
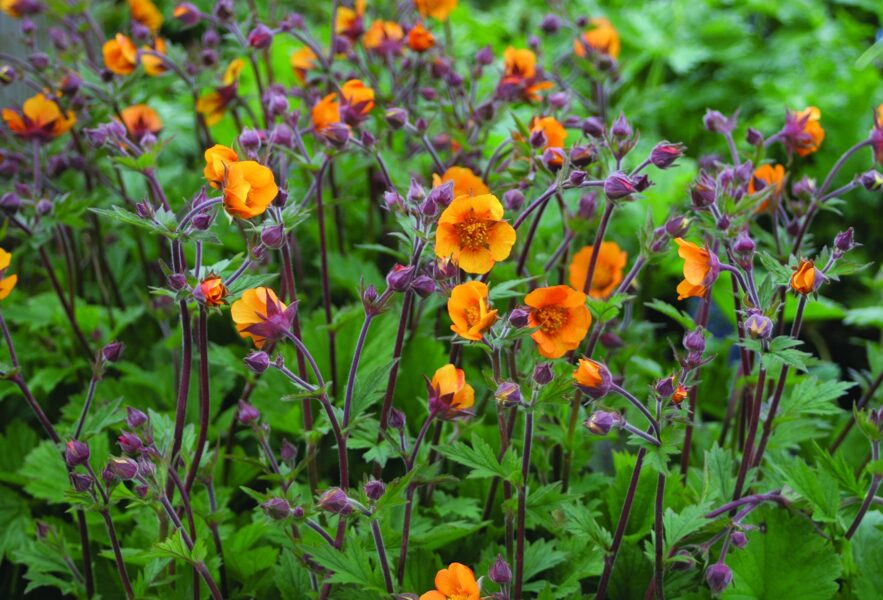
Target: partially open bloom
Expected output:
[358,101]
[217,158]
[521,77]
[40,118]
[561,317]
[303,61]
[765,176]
[120,55]
[472,233]
[153,65]
[349,21]
[212,105]
[140,119]
[466,182]
[457,582]
[146,13]
[806,278]
[383,37]
[249,189]
[701,269]
[260,315]
[213,290]
[469,310]
[553,131]
[437,9]
[7,282]
[680,394]
[608,269]
[602,38]
[326,112]
[592,378]
[420,39]
[803,132]
[449,394]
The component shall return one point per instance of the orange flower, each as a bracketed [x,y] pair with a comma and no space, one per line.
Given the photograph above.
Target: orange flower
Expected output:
[154,65]
[358,96]
[349,20]
[383,36]
[140,119]
[593,378]
[260,315]
[552,129]
[213,290]
[303,61]
[765,176]
[804,280]
[420,39]
[519,63]
[561,316]
[608,269]
[449,394]
[19,8]
[469,310]
[472,233]
[249,189]
[6,282]
[803,132]
[120,55]
[146,13]
[326,112]
[679,395]
[520,77]
[437,9]
[40,119]
[212,105]
[701,269]
[216,160]
[602,38]
[466,182]
[457,582]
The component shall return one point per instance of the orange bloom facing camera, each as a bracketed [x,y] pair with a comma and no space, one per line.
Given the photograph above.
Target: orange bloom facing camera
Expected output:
[120,55]
[561,317]
[213,290]
[326,112]
[466,182]
[469,310]
[302,62]
[520,77]
[249,189]
[146,13]
[437,9]
[7,283]
[358,96]
[420,39]
[216,160]
[602,38]
[608,269]
[701,269]
[450,394]
[40,118]
[140,119]
[472,233]
[457,582]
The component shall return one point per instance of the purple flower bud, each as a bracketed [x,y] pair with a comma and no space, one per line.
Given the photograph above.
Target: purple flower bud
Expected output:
[581,21]
[753,137]
[135,418]
[694,341]
[28,27]
[601,422]
[423,285]
[250,140]
[396,419]
[703,191]
[129,442]
[665,387]
[177,281]
[618,185]
[683,561]
[113,351]
[208,57]
[543,374]
[257,362]
[723,223]
[594,127]
[583,156]
[39,60]
[44,207]
[550,24]
[872,180]
[224,10]
[140,32]
[485,56]
[533,42]
[744,245]
[81,482]
[442,195]
[370,295]
[416,193]
[399,278]
[277,509]
[519,318]
[273,236]
[716,122]
[374,489]
[7,74]
[396,117]
[611,340]
[276,103]
[513,200]
[335,501]
[281,135]
[508,394]
[288,453]
[739,539]
[559,100]
[187,14]
[337,134]
[845,241]
[292,21]
[805,188]
[58,38]
[665,154]
[247,413]
[427,93]
[553,158]
[500,573]
[588,204]
[537,138]
[202,221]
[122,468]
[621,129]
[421,125]
[758,326]
[577,177]
[142,490]
[76,453]
[642,182]
[392,200]
[298,512]
[677,226]
[718,576]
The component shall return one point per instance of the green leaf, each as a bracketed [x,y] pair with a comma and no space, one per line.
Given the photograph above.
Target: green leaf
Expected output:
[781,350]
[814,485]
[867,552]
[779,273]
[681,317]
[814,397]
[786,558]
[677,526]
[871,316]
[720,480]
[350,565]
[174,547]
[45,473]
[482,460]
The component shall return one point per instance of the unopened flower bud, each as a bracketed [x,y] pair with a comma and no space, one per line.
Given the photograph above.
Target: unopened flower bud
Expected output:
[485,56]
[601,422]
[135,418]
[845,241]
[683,561]
[758,326]
[665,387]
[594,127]
[257,362]
[577,177]
[81,482]
[694,341]
[744,245]
[129,442]
[423,285]
[508,393]
[618,185]
[7,74]
[292,22]
[273,236]
[288,453]
[753,137]
[177,281]
[665,154]
[442,195]
[396,419]
[716,122]
[122,468]
[374,489]
[44,207]
[677,226]
[537,138]
[260,37]
[718,576]
[738,539]
[250,140]
[872,180]
[247,413]
[513,199]
[187,14]
[583,156]
[396,117]
[543,374]
[39,60]
[113,351]
[500,572]
[335,501]
[277,509]
[621,128]
[76,453]
[337,134]
[399,278]
[703,191]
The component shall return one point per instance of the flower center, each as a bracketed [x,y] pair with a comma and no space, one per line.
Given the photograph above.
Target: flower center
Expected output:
[473,233]
[473,314]
[550,318]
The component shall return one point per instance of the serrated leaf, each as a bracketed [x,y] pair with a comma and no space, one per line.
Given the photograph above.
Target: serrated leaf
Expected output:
[481,459]
[681,317]
[677,526]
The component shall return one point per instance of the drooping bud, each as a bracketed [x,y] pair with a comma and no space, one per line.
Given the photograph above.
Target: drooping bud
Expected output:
[618,185]
[593,378]
[601,422]
[872,180]
[423,285]
[247,413]
[374,489]
[665,154]
[122,468]
[718,576]
[744,245]
[621,128]
[129,442]
[694,341]
[396,117]
[257,362]
[577,177]
[758,325]
[500,572]
[716,122]
[753,137]
[553,159]
[135,418]
[113,351]
[588,204]
[187,14]
[583,156]
[594,127]
[335,501]
[81,482]
[277,509]
[260,37]
[677,226]
[273,236]
[665,387]
[485,56]
[396,419]
[76,453]
[513,199]
[442,195]
[845,241]
[543,374]
[738,539]
[508,394]
[703,191]
[399,278]
[519,317]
